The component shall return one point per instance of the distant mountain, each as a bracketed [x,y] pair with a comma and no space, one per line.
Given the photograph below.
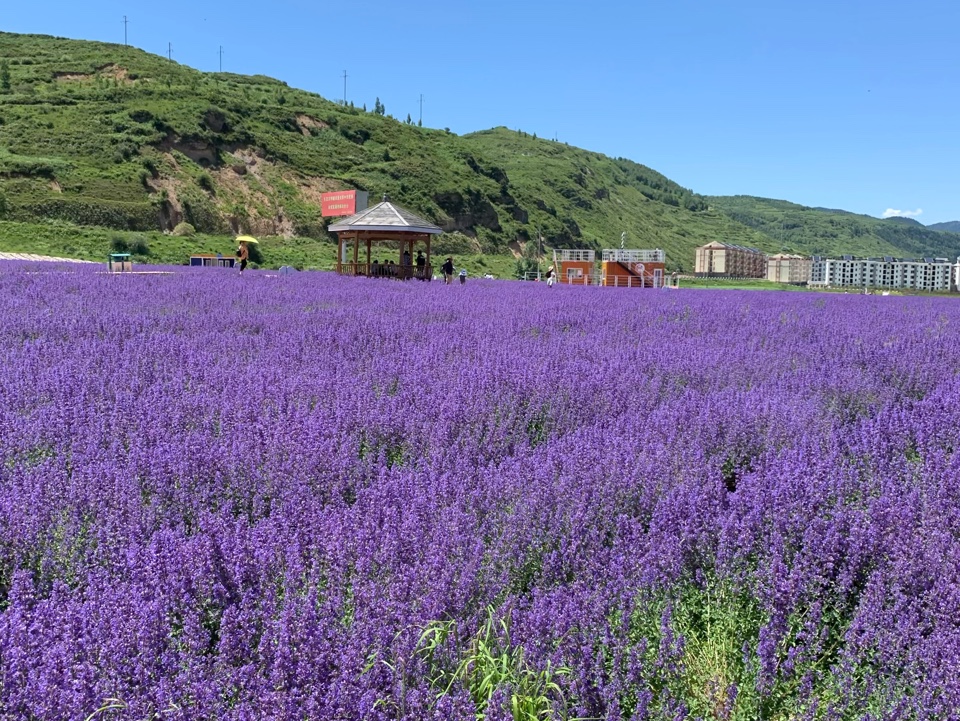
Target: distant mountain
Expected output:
[951,226]
[835,210]
[817,231]
[904,221]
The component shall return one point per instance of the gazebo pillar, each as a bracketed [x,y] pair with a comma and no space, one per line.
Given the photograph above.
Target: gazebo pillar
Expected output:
[368,256]
[356,252]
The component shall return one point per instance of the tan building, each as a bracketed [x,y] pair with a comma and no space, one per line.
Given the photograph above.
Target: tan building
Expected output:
[784,268]
[732,261]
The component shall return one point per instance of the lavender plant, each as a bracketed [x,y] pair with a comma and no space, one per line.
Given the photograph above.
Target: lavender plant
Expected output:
[262,497]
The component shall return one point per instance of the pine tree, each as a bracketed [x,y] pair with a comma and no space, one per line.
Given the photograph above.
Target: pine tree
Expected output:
[4,77]
[364,107]
[409,119]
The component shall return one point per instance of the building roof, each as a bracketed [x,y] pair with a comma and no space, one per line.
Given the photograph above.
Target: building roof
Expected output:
[386,216]
[731,246]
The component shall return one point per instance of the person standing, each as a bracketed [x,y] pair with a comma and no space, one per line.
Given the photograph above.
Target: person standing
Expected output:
[447,269]
[463,276]
[243,254]
[550,277]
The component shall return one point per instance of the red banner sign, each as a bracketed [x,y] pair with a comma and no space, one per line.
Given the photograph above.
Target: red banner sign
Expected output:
[340,202]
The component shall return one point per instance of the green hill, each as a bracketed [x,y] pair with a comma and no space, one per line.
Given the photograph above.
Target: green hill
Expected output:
[108,136]
[951,226]
[820,231]
[105,144]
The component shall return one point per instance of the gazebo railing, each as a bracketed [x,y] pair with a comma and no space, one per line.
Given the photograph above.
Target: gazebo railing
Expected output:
[387,270]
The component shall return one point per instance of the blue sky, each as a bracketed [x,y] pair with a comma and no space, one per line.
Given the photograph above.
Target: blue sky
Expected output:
[845,104]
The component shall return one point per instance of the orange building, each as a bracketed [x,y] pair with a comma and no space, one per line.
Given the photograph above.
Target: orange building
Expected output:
[634,268]
[575,267]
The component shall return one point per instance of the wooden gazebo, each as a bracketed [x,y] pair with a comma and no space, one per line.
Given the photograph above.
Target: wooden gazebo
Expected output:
[384,223]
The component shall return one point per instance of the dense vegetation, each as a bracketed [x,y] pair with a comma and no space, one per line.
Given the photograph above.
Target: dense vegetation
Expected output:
[106,136]
[821,231]
[259,497]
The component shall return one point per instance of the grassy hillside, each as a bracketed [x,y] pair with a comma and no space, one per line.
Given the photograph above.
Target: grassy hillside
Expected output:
[820,231]
[103,135]
[100,141]
[951,226]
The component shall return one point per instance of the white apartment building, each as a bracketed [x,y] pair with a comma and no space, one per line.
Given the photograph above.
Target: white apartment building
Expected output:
[887,273]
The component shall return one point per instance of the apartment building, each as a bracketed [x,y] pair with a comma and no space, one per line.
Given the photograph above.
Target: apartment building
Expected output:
[785,268]
[728,260]
[886,273]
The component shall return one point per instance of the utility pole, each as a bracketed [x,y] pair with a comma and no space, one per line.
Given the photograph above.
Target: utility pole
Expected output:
[344,88]
[169,51]
[421,109]
[221,58]
[124,29]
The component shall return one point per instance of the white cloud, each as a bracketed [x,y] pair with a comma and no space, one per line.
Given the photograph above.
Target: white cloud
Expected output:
[892,213]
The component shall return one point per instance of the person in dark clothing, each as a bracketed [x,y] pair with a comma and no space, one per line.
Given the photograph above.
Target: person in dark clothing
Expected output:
[447,269]
[243,255]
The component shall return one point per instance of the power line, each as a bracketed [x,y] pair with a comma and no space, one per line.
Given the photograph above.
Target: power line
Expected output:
[344,88]
[421,109]
[125,29]
[221,58]
[169,51]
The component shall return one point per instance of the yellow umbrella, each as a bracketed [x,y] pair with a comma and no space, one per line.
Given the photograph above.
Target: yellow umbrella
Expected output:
[247,239]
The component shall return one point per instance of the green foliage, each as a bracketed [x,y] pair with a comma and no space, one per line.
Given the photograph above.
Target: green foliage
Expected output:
[12,164]
[119,244]
[205,182]
[489,662]
[139,246]
[819,231]
[4,76]
[184,230]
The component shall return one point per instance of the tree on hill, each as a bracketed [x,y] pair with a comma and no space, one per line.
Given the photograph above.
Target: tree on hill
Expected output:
[378,108]
[4,77]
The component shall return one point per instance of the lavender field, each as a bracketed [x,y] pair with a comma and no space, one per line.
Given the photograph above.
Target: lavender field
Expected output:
[310,497]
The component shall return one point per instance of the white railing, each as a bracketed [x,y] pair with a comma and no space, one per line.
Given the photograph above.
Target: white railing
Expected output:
[634,256]
[575,255]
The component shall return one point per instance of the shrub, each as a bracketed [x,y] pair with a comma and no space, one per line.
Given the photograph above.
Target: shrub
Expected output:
[206,182]
[139,245]
[119,244]
[184,230]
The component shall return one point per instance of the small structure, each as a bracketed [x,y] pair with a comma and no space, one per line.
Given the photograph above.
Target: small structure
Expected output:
[575,266]
[634,268]
[211,260]
[119,263]
[385,224]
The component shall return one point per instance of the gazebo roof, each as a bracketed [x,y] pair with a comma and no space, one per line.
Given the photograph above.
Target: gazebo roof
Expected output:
[388,217]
